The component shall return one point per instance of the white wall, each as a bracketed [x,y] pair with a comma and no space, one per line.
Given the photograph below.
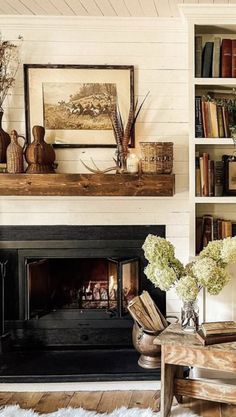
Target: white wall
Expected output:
[158,50]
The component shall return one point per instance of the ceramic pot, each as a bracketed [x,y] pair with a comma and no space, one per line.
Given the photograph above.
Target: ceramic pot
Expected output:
[39,155]
[143,342]
[4,141]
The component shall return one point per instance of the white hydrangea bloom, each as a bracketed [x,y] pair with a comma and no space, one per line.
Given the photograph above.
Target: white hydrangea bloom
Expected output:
[228,251]
[187,288]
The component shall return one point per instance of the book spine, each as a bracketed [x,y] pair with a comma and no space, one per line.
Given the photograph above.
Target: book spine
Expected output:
[218,178]
[212,340]
[226,121]
[198,118]
[211,178]
[226,58]
[205,186]
[199,234]
[234,58]
[216,58]
[220,122]
[207,235]
[198,56]
[213,119]
[197,175]
[207,60]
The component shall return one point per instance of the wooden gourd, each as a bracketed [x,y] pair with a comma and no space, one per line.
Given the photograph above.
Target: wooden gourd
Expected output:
[39,155]
[15,154]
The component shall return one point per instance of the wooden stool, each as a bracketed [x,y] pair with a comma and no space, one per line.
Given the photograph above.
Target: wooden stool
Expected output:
[179,349]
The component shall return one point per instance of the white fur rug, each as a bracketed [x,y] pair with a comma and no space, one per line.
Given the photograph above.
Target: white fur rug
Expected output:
[16,411]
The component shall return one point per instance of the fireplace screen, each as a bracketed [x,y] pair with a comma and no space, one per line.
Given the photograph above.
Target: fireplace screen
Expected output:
[81,283]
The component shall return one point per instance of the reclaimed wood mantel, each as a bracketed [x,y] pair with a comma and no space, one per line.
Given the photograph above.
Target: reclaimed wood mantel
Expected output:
[161,185]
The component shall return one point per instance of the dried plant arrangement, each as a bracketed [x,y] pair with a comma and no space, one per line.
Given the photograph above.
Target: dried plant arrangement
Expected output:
[122,136]
[9,64]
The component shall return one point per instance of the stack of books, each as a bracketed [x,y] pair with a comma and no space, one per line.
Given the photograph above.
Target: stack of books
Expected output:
[214,116]
[209,176]
[216,58]
[217,332]
[209,228]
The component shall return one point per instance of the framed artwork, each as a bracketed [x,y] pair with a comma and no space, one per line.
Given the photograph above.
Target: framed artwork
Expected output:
[73,102]
[230,175]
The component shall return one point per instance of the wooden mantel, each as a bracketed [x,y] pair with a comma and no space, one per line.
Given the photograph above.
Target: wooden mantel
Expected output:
[87,185]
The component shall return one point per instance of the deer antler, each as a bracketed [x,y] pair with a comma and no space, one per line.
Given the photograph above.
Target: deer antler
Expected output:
[100,171]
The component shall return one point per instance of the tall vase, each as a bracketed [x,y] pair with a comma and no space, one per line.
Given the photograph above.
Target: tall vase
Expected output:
[4,141]
[190,316]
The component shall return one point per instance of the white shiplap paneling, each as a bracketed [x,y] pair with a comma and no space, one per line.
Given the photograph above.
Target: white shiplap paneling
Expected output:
[158,53]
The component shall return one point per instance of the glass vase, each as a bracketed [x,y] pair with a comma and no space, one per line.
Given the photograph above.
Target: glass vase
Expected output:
[190,316]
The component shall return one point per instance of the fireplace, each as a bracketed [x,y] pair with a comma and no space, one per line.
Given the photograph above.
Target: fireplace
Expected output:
[67,287]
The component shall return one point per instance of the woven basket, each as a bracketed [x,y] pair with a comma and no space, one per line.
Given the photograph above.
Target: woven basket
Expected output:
[156,157]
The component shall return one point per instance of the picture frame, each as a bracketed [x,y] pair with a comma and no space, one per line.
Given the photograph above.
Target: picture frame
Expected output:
[230,175]
[73,102]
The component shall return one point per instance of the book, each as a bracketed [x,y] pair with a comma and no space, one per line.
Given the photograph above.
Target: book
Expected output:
[218,178]
[213,119]
[226,121]
[199,225]
[234,58]
[220,122]
[207,230]
[211,179]
[207,59]
[216,57]
[226,58]
[205,184]
[199,133]
[215,339]
[198,56]
[197,175]
[218,327]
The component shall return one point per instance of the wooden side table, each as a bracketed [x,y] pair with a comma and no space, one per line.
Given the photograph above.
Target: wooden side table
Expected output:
[179,349]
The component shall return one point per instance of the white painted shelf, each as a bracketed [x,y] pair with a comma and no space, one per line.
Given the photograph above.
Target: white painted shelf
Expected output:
[215,81]
[215,200]
[214,141]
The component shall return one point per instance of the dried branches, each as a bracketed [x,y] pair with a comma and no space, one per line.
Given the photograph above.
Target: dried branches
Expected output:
[9,64]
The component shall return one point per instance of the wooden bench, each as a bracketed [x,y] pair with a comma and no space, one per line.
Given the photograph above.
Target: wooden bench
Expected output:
[179,349]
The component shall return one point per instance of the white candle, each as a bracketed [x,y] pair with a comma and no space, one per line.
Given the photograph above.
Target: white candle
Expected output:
[132,164]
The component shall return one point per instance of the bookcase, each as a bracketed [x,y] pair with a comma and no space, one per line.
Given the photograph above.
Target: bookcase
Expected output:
[209,22]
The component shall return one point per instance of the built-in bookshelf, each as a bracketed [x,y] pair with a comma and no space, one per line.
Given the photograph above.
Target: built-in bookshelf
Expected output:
[213,115]
[216,212]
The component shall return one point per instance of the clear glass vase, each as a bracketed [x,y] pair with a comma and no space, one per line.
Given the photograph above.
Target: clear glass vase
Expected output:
[190,316]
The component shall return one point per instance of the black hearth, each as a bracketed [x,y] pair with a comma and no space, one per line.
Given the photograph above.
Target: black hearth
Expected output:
[67,287]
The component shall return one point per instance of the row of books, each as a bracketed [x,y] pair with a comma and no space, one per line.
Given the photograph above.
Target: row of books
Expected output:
[209,176]
[216,58]
[217,332]
[209,228]
[213,120]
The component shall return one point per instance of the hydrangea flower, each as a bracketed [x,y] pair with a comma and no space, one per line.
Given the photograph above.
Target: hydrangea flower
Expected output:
[158,250]
[212,250]
[228,251]
[187,288]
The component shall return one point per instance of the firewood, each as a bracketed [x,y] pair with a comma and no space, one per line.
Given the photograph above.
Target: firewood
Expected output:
[159,321]
[139,314]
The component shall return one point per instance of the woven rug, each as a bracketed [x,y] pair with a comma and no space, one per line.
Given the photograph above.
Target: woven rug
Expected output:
[16,411]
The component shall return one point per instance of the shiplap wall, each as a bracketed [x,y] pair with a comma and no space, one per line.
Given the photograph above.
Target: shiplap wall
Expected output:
[158,50]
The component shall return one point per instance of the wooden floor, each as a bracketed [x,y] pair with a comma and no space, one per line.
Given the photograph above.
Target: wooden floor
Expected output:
[46,402]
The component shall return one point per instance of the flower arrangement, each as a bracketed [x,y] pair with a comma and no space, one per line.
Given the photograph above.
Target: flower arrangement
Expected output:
[9,63]
[207,271]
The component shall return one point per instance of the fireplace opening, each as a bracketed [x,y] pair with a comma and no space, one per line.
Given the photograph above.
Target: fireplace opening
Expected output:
[66,295]
[83,284]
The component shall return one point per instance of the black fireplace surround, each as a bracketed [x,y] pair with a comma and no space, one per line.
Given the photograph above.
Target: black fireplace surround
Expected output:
[56,306]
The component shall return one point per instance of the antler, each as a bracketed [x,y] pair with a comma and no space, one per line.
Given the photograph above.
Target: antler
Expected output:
[100,171]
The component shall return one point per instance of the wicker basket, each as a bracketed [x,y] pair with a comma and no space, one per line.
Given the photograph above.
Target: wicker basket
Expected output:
[156,157]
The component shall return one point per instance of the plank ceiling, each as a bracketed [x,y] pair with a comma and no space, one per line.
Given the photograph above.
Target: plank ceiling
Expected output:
[122,8]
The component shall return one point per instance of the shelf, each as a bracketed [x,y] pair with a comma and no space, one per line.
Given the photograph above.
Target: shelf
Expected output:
[215,200]
[215,81]
[155,185]
[214,141]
